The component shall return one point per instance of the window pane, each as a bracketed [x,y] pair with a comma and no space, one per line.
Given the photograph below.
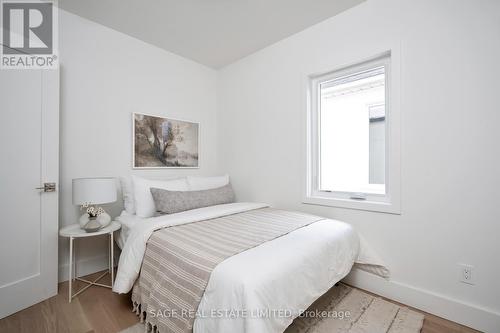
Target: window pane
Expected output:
[352,133]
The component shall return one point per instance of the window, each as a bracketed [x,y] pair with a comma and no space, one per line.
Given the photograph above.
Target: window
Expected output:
[350,148]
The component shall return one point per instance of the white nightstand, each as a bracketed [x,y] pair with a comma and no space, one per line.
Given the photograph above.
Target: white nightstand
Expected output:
[72,232]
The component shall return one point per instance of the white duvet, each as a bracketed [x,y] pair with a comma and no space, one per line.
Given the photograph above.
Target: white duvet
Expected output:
[285,275]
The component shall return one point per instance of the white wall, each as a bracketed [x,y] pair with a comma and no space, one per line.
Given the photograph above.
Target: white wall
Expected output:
[450,157]
[105,76]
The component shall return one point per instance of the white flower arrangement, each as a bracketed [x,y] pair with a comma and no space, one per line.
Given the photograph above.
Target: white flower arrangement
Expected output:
[92,210]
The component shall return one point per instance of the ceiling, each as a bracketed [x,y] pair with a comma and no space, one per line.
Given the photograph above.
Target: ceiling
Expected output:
[212,32]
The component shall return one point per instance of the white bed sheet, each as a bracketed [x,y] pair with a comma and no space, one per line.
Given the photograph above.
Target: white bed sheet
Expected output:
[127,221]
[286,274]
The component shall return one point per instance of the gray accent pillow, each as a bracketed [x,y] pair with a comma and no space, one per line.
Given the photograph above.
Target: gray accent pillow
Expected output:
[169,202]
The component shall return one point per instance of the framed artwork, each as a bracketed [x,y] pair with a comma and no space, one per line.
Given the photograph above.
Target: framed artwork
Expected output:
[160,142]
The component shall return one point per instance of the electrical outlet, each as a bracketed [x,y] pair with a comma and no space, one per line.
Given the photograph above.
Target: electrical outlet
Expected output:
[466,273]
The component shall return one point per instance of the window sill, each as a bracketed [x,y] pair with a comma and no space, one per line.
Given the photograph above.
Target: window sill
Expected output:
[372,206]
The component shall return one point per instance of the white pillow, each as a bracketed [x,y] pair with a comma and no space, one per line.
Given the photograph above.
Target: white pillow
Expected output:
[127,194]
[207,183]
[144,203]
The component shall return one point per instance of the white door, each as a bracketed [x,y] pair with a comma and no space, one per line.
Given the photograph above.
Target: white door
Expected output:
[29,150]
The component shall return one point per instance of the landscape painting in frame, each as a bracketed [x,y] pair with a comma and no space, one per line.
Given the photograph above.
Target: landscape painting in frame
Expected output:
[164,142]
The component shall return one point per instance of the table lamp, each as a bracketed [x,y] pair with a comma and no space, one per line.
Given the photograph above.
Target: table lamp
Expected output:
[89,192]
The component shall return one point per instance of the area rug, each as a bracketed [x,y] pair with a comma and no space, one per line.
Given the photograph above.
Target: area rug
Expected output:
[345,309]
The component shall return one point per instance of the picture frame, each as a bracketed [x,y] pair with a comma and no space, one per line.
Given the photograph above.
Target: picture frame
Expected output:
[177,143]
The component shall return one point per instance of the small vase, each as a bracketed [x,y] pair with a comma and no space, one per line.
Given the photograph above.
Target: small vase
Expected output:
[83,220]
[92,225]
[104,219]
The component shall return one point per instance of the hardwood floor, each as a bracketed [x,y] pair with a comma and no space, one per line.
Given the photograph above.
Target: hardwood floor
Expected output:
[96,310]
[100,310]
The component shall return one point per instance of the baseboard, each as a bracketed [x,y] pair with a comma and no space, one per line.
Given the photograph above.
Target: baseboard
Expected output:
[84,267]
[473,316]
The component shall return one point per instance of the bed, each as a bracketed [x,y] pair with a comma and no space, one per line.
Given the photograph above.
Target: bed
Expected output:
[287,273]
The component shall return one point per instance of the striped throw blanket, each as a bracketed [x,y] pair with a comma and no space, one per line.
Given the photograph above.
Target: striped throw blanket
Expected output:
[179,260]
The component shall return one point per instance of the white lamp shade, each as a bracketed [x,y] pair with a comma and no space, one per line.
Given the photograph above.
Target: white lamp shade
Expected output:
[94,190]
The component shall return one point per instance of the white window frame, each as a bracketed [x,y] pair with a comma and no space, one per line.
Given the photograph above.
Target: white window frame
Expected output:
[388,202]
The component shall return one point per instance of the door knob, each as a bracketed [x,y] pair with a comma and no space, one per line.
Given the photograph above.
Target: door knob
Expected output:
[47,187]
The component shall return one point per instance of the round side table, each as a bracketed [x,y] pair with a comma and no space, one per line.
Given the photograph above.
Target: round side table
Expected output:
[73,232]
